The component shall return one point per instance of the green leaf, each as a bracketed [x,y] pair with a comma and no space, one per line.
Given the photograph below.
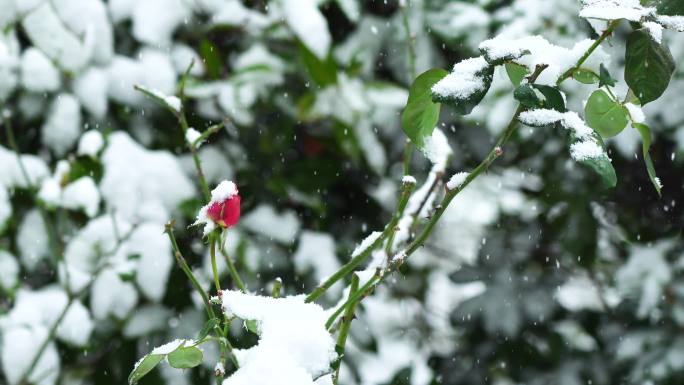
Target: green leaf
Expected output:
[185,357]
[648,66]
[464,106]
[645,132]
[251,325]
[605,115]
[526,96]
[604,77]
[601,165]
[604,168]
[210,56]
[207,328]
[516,72]
[304,106]
[190,207]
[144,366]
[421,114]
[585,76]
[84,166]
[553,97]
[670,7]
[631,98]
[127,276]
[322,72]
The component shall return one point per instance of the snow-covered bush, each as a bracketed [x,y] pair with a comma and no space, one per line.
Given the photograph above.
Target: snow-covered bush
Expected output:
[342,252]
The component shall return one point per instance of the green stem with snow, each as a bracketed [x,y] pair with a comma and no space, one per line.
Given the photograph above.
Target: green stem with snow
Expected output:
[609,31]
[344,330]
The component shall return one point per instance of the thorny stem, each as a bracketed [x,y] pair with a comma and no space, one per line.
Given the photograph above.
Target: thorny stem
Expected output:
[351,265]
[449,196]
[344,330]
[406,190]
[609,31]
[354,297]
[435,183]
[186,269]
[231,269]
[483,166]
[223,340]
[214,269]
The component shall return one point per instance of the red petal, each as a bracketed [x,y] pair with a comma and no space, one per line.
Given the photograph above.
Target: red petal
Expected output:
[226,213]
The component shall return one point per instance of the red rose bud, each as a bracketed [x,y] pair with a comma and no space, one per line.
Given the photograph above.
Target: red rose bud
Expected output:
[225,213]
[223,209]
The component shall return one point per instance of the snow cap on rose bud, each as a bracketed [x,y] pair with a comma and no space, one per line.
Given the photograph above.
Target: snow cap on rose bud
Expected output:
[223,210]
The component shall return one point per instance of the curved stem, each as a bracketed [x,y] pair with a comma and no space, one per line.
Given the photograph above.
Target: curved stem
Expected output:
[232,269]
[406,190]
[186,269]
[397,261]
[349,266]
[354,297]
[609,31]
[495,152]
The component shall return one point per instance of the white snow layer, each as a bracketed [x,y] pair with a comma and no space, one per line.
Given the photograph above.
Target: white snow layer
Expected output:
[366,243]
[294,346]
[192,135]
[309,25]
[90,144]
[630,10]
[585,148]
[316,251]
[90,87]
[437,149]
[265,220]
[9,270]
[63,125]
[457,180]
[11,176]
[154,21]
[154,178]
[579,293]
[97,246]
[32,240]
[463,81]
[47,32]
[81,194]
[26,326]
[636,113]
[531,51]
[152,69]
[38,74]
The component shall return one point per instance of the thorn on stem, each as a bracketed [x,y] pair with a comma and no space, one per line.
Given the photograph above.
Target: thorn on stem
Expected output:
[498,151]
